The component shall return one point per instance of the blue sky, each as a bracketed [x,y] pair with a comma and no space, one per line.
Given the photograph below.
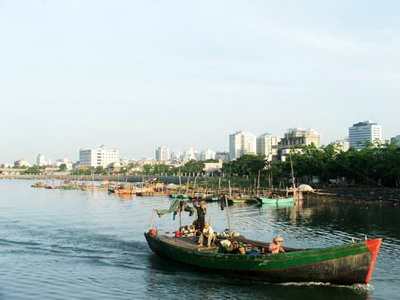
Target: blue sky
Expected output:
[138,74]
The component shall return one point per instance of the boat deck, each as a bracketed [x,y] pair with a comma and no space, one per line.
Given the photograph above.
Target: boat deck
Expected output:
[186,242]
[191,243]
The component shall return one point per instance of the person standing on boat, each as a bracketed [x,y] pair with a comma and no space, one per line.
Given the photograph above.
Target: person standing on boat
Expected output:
[201,215]
[207,233]
[276,247]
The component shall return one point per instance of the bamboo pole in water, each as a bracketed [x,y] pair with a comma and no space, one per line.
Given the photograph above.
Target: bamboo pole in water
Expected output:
[227,212]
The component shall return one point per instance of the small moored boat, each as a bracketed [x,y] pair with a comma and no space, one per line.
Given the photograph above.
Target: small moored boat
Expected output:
[275,200]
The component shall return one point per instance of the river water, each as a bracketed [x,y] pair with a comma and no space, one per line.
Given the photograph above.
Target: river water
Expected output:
[89,245]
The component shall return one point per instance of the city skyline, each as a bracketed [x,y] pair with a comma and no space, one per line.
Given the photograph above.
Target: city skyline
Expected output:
[199,152]
[136,75]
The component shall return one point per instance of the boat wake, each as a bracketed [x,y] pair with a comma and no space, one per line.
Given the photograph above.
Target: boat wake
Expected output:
[357,287]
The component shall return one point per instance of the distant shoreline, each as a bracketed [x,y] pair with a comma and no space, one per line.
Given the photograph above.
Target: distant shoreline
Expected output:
[96,177]
[354,193]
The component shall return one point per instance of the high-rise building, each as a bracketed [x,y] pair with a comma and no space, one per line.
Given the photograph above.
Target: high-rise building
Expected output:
[222,155]
[298,137]
[207,154]
[242,142]
[176,156]
[363,132]
[163,154]
[100,157]
[267,145]
[41,160]
[189,154]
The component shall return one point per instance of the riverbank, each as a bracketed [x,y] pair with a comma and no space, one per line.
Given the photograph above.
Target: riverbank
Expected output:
[360,193]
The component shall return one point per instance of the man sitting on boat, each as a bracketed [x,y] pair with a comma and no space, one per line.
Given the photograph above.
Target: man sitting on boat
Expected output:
[275,246]
[207,233]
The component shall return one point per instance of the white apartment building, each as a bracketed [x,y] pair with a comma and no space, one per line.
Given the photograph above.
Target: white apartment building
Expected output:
[267,144]
[298,137]
[163,154]
[22,163]
[363,132]
[176,156]
[189,154]
[207,154]
[41,160]
[64,161]
[240,143]
[100,157]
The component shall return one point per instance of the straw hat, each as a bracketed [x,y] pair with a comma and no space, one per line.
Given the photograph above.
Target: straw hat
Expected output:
[278,239]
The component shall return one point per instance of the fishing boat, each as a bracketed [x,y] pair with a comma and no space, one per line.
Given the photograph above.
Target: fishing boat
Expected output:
[277,205]
[212,199]
[276,201]
[183,197]
[346,264]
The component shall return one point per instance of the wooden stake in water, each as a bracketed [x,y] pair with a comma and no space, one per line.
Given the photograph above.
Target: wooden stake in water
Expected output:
[227,212]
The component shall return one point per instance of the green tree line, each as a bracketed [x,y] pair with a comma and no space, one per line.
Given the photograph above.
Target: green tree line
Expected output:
[373,165]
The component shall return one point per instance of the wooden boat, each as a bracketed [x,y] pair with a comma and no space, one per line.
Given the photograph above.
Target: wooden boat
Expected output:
[275,200]
[276,205]
[212,199]
[240,199]
[346,264]
[122,191]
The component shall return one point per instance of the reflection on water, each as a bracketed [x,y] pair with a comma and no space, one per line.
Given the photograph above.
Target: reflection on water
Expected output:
[83,245]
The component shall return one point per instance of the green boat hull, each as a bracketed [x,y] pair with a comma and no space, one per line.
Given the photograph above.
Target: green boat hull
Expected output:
[213,199]
[348,264]
[275,200]
[179,196]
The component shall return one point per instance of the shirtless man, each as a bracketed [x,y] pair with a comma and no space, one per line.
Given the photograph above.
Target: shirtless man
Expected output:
[207,233]
[275,246]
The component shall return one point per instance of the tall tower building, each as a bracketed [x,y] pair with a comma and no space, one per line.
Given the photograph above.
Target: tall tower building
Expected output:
[189,154]
[267,144]
[207,154]
[240,143]
[163,154]
[41,160]
[363,132]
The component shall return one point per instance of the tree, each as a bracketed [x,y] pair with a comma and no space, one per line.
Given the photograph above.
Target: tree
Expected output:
[62,168]
[101,170]
[246,165]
